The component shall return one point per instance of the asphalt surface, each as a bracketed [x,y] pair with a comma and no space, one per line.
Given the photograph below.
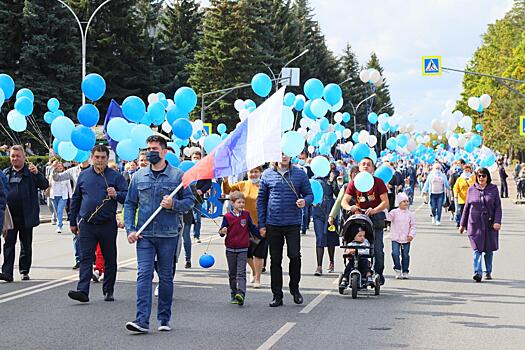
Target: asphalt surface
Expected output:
[439,307]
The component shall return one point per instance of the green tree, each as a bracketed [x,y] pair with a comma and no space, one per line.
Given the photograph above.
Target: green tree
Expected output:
[381,103]
[353,90]
[12,35]
[177,41]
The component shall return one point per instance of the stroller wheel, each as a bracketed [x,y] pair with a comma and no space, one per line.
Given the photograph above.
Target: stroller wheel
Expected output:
[377,285]
[341,288]
[355,285]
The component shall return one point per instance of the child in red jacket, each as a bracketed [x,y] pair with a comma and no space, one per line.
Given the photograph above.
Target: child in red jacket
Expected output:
[237,226]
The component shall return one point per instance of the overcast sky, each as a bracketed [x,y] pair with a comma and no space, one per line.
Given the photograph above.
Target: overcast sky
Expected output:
[400,32]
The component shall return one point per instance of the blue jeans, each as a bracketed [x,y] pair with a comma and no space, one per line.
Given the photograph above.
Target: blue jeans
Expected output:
[400,256]
[164,249]
[478,268]
[186,238]
[459,212]
[379,254]
[436,204]
[76,248]
[59,204]
[306,216]
[197,217]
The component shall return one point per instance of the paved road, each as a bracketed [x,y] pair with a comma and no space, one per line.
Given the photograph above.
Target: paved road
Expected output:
[439,307]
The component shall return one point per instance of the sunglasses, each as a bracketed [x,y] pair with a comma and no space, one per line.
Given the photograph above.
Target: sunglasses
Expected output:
[481,176]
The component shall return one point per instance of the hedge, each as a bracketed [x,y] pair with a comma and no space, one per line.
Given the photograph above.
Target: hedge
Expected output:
[36,160]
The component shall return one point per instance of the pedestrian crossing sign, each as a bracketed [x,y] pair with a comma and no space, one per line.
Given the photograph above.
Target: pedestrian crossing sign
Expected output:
[208,128]
[522,125]
[431,65]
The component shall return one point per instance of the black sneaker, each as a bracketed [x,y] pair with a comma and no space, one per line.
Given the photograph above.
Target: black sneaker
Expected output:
[25,277]
[276,302]
[297,298]
[240,299]
[4,277]
[109,297]
[488,276]
[136,328]
[187,265]
[303,232]
[78,296]
[477,278]
[76,266]
[381,280]
[233,300]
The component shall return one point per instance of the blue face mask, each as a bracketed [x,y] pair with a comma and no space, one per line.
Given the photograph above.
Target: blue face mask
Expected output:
[301,162]
[153,157]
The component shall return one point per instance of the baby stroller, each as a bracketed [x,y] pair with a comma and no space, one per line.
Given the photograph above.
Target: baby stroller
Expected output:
[356,281]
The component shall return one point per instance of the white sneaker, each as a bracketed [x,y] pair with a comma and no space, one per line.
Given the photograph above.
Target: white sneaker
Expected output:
[164,327]
[256,285]
[59,230]
[157,291]
[95,276]
[438,223]
[433,220]
[405,275]
[451,218]
[398,274]
[252,277]
[101,278]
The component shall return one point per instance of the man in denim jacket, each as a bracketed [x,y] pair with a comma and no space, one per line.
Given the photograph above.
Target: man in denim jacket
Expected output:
[150,187]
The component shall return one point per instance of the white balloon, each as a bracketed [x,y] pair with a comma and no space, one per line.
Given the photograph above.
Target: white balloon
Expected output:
[380,82]
[364,76]
[315,127]
[303,122]
[411,145]
[338,117]
[302,131]
[374,75]
[198,124]
[348,147]
[382,118]
[238,105]
[338,134]
[152,98]
[363,136]
[347,133]
[311,149]
[473,102]
[188,151]
[485,100]
[462,141]
[457,115]
[467,125]
[372,140]
[244,114]
[453,142]
[166,127]
[331,128]
[450,105]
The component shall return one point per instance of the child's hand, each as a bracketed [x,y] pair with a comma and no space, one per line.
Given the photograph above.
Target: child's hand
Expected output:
[223,231]
[410,238]
[351,251]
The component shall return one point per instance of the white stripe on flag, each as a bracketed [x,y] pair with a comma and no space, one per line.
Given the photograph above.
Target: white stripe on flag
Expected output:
[264,132]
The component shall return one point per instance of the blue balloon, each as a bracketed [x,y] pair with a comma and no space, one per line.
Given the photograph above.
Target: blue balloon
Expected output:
[319,107]
[346,117]
[324,124]
[299,104]
[320,166]
[332,93]
[94,86]
[25,93]
[182,128]
[133,108]
[83,138]
[59,113]
[307,111]
[186,165]
[479,127]
[67,151]
[355,137]
[313,88]
[82,156]
[185,98]
[476,140]
[224,136]
[372,118]
[127,150]
[337,106]
[402,140]
[289,99]
[292,143]
[360,151]
[317,190]
[88,115]
[139,134]
[287,119]
[364,181]
[175,113]
[172,159]
[385,173]
[391,144]
[197,135]
[373,155]
[16,121]
[2,97]
[7,84]
[261,84]
[49,117]
[62,127]
[24,106]
[221,128]
[210,142]
[53,104]
[118,129]
[206,261]
[248,104]
[156,111]
[56,142]
[161,96]
[147,119]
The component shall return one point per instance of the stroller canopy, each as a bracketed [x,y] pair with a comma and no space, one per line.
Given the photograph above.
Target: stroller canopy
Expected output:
[352,225]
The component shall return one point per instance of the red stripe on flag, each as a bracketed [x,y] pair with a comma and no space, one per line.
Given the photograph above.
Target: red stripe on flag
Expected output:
[203,170]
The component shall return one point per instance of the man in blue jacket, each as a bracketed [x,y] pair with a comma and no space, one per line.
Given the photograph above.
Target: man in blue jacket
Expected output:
[283,191]
[150,187]
[94,204]
[24,181]
[4,188]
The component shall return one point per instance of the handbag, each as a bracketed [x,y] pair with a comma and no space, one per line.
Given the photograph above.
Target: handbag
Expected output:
[8,221]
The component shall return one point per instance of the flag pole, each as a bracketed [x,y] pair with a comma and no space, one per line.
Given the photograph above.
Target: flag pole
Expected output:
[156,212]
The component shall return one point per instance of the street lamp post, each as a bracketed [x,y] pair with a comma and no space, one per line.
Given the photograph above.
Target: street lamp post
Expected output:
[83,35]
[355,109]
[286,65]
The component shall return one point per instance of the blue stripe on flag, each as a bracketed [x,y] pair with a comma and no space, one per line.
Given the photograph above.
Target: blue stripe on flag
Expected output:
[230,157]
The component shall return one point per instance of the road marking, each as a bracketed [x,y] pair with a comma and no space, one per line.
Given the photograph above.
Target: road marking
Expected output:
[276,336]
[314,302]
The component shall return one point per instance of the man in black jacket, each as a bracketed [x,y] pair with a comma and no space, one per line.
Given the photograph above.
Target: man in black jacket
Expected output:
[504,188]
[24,181]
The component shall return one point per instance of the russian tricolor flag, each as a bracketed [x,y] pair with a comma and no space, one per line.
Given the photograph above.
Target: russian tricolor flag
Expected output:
[255,141]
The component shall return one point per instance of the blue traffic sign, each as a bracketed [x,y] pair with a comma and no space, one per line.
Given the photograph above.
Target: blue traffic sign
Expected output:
[431,65]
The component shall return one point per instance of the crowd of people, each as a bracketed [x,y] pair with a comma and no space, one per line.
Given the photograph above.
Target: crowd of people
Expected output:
[272,206]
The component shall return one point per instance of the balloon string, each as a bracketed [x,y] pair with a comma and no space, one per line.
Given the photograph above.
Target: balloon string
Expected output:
[215,222]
